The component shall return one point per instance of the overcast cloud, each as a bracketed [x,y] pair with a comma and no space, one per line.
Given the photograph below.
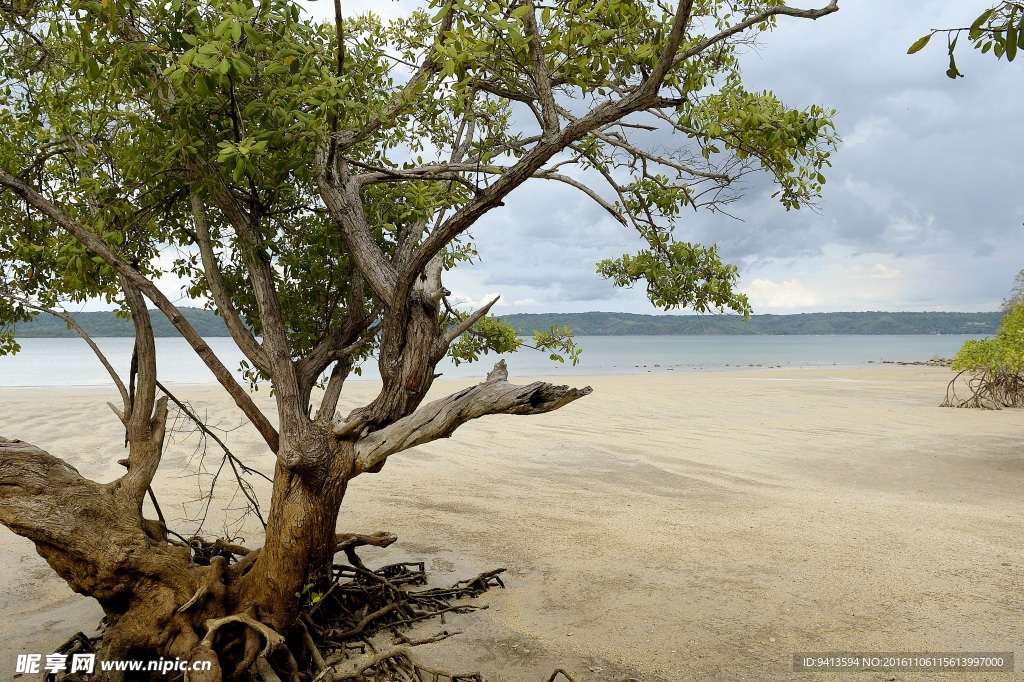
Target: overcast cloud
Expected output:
[923,209]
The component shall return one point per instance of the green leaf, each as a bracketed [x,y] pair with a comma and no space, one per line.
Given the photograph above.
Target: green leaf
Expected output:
[982,18]
[919,44]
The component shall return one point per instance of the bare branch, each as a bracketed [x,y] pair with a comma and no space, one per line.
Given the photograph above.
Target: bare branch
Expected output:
[459,329]
[548,175]
[347,541]
[242,337]
[442,417]
[235,462]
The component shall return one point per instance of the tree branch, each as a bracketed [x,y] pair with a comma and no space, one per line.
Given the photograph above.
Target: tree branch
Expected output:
[644,97]
[144,455]
[541,77]
[548,175]
[442,417]
[357,329]
[341,196]
[100,248]
[242,337]
[234,461]
[332,393]
[140,411]
[459,329]
[349,541]
[756,19]
[261,276]
[649,87]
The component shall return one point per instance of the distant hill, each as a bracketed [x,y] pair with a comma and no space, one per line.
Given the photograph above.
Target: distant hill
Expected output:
[102,324]
[623,324]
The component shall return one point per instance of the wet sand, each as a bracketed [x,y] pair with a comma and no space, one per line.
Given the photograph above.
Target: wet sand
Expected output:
[699,526]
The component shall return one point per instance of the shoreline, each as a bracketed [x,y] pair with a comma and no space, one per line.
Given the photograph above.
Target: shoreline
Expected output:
[67,361]
[669,526]
[663,371]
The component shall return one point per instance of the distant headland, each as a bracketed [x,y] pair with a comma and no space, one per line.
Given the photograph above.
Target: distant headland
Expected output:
[107,324]
[628,324]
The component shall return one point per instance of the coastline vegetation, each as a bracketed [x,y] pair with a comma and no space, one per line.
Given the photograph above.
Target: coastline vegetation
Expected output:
[993,368]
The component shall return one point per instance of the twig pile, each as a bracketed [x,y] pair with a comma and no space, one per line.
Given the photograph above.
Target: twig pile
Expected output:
[362,602]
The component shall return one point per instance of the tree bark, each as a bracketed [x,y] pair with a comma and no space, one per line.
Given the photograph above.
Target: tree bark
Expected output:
[300,536]
[94,536]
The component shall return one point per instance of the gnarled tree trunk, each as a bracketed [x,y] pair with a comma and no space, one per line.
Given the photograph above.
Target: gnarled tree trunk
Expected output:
[158,601]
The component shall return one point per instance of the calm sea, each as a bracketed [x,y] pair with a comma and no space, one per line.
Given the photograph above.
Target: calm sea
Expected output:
[69,362]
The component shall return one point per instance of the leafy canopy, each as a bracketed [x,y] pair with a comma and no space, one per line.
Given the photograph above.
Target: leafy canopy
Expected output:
[1001,354]
[147,122]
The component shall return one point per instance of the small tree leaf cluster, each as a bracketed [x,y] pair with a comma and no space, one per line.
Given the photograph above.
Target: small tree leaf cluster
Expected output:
[999,30]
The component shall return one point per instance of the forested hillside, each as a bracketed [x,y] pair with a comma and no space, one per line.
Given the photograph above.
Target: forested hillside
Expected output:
[100,324]
[621,324]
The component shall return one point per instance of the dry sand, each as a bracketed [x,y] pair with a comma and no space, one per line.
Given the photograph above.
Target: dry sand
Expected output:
[688,527]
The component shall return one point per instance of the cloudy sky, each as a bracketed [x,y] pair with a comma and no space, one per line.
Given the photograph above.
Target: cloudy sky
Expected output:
[923,209]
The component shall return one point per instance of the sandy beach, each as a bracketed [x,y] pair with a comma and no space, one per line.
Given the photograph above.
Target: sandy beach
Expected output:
[698,526]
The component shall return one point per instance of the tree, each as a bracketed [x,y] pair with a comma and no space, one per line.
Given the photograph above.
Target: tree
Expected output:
[317,180]
[992,369]
[999,29]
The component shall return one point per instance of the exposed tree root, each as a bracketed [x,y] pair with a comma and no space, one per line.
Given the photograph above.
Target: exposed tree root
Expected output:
[336,639]
[987,390]
[554,676]
[332,640]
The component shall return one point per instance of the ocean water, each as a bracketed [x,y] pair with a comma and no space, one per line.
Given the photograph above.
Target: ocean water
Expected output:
[70,363]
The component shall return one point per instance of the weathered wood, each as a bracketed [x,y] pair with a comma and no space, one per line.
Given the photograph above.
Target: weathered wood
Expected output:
[442,417]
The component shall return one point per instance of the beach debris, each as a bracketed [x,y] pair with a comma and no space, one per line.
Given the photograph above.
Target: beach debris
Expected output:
[934,361]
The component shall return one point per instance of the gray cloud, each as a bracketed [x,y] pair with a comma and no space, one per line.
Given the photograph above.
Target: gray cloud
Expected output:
[928,177]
